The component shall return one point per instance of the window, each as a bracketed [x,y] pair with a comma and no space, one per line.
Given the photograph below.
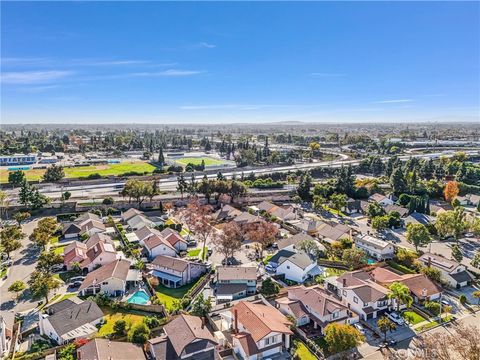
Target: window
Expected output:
[335,315]
[355,300]
[365,304]
[288,266]
[105,283]
[267,341]
[344,292]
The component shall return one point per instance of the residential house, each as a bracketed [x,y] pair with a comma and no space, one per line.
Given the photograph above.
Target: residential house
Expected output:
[92,227]
[292,243]
[307,226]
[139,221]
[76,228]
[418,218]
[130,213]
[156,245]
[259,330]
[98,250]
[314,307]
[186,337]
[145,232]
[175,239]
[374,247]
[331,232]
[279,212]
[104,349]
[469,199]
[235,282]
[455,274]
[421,287]
[296,266]
[7,320]
[396,208]
[226,213]
[360,294]
[355,206]
[70,319]
[71,230]
[381,199]
[112,279]
[175,272]
[246,218]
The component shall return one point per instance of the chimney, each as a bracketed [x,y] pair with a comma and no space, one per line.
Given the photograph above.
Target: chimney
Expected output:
[344,282]
[235,326]
[429,262]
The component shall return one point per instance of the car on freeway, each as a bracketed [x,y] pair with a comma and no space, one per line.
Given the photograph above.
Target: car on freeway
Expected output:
[397,319]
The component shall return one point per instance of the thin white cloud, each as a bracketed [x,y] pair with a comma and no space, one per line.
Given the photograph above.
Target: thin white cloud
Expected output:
[37,89]
[33,77]
[207,45]
[393,101]
[322,74]
[166,73]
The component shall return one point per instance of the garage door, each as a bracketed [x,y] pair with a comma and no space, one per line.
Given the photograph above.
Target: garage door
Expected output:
[370,316]
[381,312]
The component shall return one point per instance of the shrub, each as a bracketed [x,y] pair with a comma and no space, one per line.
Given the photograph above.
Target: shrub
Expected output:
[151,322]
[120,327]
[94,176]
[108,201]
[433,307]
[463,299]
[139,334]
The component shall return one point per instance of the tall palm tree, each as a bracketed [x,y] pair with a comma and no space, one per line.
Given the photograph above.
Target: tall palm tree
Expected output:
[401,294]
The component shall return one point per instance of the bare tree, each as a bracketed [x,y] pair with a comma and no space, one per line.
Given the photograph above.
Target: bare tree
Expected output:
[199,220]
[230,240]
[261,232]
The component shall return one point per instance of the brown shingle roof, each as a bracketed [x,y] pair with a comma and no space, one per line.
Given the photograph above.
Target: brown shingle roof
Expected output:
[317,299]
[186,329]
[260,320]
[236,273]
[117,269]
[103,349]
[170,263]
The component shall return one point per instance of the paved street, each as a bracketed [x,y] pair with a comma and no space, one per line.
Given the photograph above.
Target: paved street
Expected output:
[24,261]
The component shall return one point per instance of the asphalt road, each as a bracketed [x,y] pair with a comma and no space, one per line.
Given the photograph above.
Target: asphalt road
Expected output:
[170,183]
[24,261]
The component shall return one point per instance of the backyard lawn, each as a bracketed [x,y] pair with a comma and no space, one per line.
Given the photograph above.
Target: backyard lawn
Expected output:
[59,250]
[412,317]
[168,295]
[198,161]
[112,315]
[84,171]
[66,275]
[196,252]
[302,352]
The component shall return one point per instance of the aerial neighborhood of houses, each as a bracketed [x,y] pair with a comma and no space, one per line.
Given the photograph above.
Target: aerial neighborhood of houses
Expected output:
[286,272]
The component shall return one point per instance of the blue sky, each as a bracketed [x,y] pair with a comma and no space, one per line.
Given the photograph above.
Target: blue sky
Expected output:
[157,62]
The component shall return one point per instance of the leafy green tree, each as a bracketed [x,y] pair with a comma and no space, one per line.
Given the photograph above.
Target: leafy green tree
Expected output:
[397,181]
[418,235]
[10,237]
[139,333]
[54,174]
[309,246]
[341,337]
[182,185]
[338,201]
[476,260]
[451,223]
[303,189]
[432,273]
[457,253]
[269,287]
[41,283]
[345,181]
[401,294]
[120,328]
[374,209]
[201,306]
[354,257]
[380,223]
[67,352]
[16,178]
[47,259]
[476,294]
[21,216]
[17,287]
[384,325]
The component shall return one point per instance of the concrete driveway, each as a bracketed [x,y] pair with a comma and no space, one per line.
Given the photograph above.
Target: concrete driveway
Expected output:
[401,333]
[468,292]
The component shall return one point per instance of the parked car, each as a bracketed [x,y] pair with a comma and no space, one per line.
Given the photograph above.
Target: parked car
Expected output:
[445,302]
[360,328]
[269,268]
[56,267]
[469,235]
[397,319]
[74,285]
[7,263]
[77,278]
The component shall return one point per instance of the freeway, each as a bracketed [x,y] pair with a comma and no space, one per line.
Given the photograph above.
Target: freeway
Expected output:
[169,183]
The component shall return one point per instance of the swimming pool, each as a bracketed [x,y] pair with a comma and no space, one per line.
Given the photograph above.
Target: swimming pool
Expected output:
[15,168]
[371,261]
[140,297]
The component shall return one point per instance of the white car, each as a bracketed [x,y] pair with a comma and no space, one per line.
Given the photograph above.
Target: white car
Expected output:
[269,268]
[397,319]
[360,328]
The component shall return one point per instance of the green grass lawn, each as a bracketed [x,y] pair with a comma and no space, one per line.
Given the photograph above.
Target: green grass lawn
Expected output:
[54,240]
[84,171]
[112,315]
[66,275]
[428,326]
[168,295]
[267,259]
[58,250]
[302,352]
[413,317]
[197,252]
[198,160]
